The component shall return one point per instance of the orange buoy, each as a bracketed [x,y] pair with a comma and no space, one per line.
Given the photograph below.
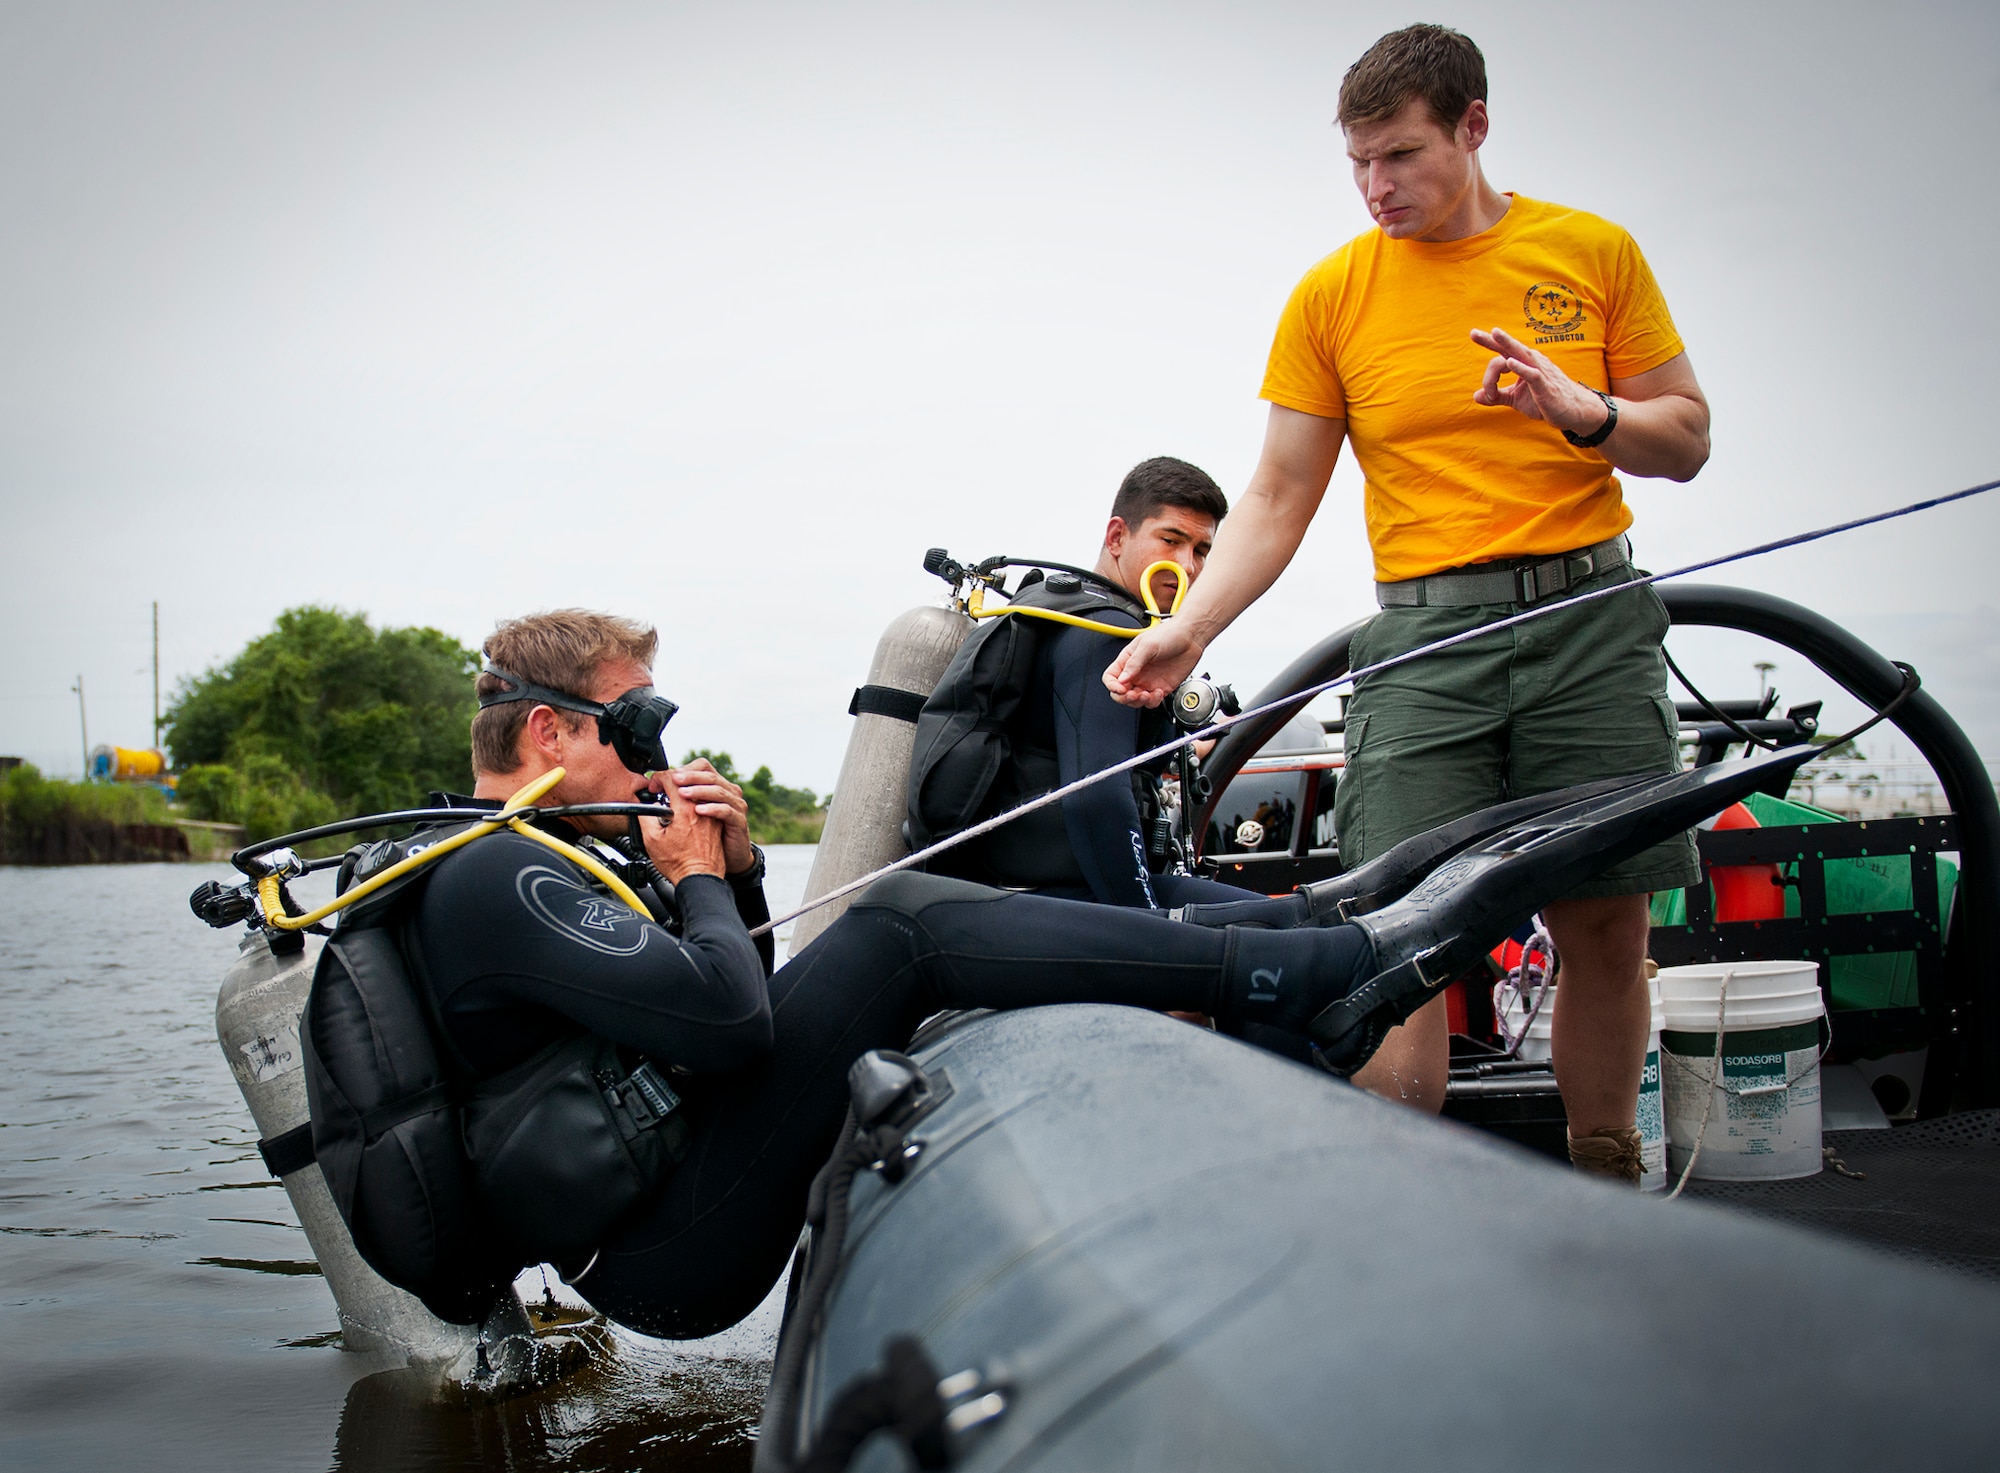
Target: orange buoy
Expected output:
[1746,892]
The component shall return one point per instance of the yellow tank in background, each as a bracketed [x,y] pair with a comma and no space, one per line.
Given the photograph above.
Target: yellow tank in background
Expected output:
[129,765]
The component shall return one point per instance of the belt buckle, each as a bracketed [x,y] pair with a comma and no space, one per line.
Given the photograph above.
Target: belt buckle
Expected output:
[1534,589]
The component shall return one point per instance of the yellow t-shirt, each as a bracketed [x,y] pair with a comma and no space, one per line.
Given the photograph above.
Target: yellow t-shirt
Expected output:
[1377,334]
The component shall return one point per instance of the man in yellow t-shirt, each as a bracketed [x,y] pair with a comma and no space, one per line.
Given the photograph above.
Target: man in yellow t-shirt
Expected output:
[1494,359]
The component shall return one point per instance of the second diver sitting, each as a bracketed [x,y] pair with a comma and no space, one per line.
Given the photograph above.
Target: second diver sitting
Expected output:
[518,948]
[1023,709]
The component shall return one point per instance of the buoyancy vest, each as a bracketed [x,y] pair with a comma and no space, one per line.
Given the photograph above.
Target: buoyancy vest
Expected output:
[451,1183]
[970,759]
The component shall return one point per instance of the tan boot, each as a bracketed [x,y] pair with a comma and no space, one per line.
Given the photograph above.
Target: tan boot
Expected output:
[1611,1152]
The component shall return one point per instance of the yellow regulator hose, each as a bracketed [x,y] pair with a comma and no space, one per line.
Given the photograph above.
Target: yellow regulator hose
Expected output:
[510,817]
[975,604]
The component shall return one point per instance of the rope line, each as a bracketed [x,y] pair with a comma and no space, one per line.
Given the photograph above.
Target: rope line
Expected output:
[1301,697]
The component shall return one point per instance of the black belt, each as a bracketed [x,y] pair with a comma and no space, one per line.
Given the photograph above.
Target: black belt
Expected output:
[1515,581]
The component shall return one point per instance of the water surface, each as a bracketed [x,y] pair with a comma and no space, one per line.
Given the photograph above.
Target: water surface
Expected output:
[159,1307]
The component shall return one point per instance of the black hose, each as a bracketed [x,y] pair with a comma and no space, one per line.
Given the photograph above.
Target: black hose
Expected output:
[1714,710]
[1912,682]
[431,815]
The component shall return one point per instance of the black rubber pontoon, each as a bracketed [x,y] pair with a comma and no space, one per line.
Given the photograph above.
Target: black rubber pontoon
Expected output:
[1124,1242]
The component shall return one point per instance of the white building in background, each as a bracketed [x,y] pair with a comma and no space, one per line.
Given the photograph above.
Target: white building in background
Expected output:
[1865,789]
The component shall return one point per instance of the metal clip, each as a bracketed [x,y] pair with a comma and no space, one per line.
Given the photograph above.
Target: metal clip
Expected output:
[970,1400]
[655,1091]
[893,1166]
[1416,965]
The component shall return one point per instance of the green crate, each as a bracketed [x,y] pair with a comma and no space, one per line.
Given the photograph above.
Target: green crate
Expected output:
[1853,887]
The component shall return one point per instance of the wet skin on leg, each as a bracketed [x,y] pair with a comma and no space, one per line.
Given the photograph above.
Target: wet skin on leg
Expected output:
[1414,1061]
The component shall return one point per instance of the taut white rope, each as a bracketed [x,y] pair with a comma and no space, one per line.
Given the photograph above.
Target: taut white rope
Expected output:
[1216,728]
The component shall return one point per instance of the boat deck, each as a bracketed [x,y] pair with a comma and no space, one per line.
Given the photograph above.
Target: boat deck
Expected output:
[1928,1192]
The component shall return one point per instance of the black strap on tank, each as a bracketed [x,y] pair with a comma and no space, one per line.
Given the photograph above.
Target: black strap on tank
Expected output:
[886,700]
[289,1151]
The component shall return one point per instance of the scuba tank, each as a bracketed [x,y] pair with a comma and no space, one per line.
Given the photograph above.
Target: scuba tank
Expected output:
[328,1042]
[892,798]
[257,1024]
[864,825]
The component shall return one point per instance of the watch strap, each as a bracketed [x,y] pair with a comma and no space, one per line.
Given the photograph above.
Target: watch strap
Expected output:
[753,875]
[1603,431]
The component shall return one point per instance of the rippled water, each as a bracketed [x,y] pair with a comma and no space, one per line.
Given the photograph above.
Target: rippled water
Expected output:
[159,1307]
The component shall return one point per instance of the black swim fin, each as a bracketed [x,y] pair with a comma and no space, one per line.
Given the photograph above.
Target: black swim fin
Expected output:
[1390,874]
[1446,924]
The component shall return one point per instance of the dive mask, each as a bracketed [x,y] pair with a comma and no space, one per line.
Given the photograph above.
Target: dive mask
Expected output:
[633,725]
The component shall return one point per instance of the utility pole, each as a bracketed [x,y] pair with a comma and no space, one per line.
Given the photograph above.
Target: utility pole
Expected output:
[83,725]
[156,674]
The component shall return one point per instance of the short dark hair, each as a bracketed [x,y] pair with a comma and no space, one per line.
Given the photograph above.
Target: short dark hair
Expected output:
[1441,66]
[1153,485]
[563,650]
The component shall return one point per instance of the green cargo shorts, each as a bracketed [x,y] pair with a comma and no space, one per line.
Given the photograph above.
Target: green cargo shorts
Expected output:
[1574,696]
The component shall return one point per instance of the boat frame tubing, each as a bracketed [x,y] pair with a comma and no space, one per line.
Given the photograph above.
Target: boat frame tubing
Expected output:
[1850,663]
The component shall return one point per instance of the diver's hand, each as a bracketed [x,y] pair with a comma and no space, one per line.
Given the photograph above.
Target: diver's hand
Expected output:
[1151,665]
[1540,389]
[715,796]
[688,844]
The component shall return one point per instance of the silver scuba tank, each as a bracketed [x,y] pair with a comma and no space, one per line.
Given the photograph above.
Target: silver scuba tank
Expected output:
[864,827]
[257,1023]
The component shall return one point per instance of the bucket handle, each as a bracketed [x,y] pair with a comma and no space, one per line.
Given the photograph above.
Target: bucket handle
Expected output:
[1715,1077]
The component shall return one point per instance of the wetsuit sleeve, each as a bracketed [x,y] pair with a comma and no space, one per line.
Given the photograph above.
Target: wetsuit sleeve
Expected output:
[1092,732]
[754,910]
[511,933]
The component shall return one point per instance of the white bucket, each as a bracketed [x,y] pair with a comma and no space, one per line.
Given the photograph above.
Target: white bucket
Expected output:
[1762,1116]
[1651,1120]
[1536,1047]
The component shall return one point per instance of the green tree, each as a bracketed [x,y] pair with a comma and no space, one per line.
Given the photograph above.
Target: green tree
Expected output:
[325,715]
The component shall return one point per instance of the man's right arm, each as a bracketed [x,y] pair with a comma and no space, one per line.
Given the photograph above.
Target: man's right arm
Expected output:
[1255,543]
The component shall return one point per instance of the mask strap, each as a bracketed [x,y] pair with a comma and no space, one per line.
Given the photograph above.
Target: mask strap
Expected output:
[527,690]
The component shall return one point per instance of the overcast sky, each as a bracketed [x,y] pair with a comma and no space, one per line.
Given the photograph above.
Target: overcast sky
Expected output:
[721,315]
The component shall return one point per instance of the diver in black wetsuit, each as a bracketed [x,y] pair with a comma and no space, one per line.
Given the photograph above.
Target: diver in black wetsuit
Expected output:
[519,948]
[1096,844]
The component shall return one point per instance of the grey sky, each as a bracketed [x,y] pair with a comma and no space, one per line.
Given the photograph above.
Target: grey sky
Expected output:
[721,315]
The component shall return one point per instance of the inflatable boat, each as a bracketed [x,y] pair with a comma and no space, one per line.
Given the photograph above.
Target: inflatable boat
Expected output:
[1087,1237]
[1097,1238]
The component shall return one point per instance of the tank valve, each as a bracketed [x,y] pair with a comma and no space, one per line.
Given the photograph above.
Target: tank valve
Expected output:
[282,864]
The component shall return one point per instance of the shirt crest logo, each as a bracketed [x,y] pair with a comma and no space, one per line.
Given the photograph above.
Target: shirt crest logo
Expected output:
[1554,311]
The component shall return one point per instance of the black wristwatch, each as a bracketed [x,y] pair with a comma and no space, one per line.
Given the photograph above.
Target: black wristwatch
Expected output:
[753,875]
[1591,442]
